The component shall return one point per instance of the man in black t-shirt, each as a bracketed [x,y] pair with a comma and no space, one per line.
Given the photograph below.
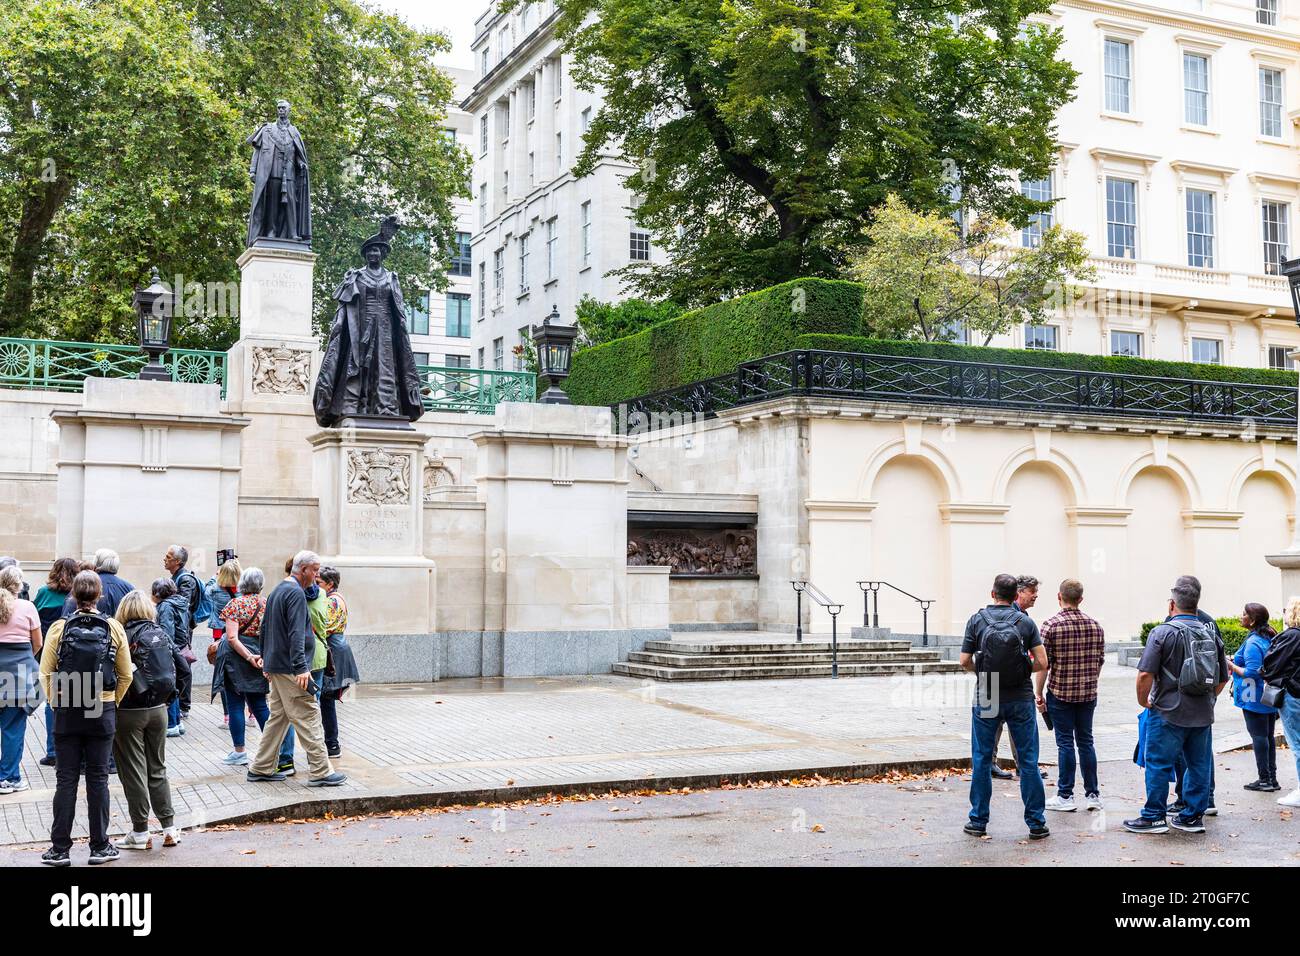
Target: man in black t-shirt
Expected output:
[1003,648]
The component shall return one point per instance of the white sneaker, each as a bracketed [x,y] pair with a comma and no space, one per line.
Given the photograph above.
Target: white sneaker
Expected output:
[1292,799]
[135,841]
[236,758]
[171,836]
[175,731]
[1093,802]
[1064,804]
[1211,811]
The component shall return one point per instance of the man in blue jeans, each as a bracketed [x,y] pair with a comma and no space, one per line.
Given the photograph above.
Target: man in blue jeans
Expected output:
[1002,647]
[1178,721]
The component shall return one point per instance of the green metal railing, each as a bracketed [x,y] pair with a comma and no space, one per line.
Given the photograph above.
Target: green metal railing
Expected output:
[64,366]
[475,391]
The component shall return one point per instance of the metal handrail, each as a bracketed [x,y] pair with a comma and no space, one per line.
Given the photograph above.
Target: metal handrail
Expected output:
[871,593]
[475,391]
[832,607]
[51,365]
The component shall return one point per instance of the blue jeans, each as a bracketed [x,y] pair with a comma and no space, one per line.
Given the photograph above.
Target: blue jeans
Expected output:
[1072,722]
[1166,744]
[49,731]
[1291,727]
[173,713]
[13,725]
[286,748]
[236,702]
[1022,724]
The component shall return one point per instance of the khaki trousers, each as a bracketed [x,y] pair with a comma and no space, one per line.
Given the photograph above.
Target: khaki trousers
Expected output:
[140,749]
[292,706]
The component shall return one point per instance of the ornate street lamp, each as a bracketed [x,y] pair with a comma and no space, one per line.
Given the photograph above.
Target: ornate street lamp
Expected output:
[1291,269]
[554,344]
[153,309]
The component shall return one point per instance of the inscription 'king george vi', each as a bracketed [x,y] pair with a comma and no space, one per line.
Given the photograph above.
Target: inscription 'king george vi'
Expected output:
[378,478]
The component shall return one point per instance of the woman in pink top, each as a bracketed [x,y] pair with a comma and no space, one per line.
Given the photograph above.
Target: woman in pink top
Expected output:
[20,641]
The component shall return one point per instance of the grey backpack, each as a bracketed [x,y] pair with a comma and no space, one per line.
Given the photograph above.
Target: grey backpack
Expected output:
[1200,652]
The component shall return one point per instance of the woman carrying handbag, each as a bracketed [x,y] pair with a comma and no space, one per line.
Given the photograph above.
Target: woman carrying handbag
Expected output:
[1281,673]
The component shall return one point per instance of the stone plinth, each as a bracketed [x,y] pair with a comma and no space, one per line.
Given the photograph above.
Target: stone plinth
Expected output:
[143,465]
[554,481]
[369,483]
[1288,562]
[275,294]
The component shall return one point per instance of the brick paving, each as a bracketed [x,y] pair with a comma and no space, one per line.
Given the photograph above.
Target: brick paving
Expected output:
[462,735]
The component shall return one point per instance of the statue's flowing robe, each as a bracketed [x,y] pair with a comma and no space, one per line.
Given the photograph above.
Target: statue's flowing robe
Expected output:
[368,368]
[262,168]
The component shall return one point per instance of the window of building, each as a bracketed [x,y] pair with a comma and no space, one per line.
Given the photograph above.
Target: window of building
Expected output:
[503,44]
[1207,351]
[1126,343]
[421,358]
[586,119]
[485,62]
[1266,12]
[462,258]
[559,152]
[551,235]
[1279,356]
[954,330]
[458,315]
[483,134]
[1039,222]
[586,233]
[482,289]
[639,245]
[1044,337]
[1196,89]
[498,275]
[505,188]
[480,357]
[417,316]
[532,101]
[1119,75]
[482,205]
[1276,218]
[498,353]
[521,349]
[1270,102]
[456,361]
[1121,218]
[1200,228]
[523,263]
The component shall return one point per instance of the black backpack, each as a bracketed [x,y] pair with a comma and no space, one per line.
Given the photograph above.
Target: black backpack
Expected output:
[1002,650]
[85,650]
[154,680]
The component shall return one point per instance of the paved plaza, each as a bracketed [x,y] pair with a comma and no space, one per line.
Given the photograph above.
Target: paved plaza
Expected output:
[471,737]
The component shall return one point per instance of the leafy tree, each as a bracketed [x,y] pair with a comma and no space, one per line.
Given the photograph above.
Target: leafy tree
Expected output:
[122,127]
[603,322]
[925,279]
[769,129]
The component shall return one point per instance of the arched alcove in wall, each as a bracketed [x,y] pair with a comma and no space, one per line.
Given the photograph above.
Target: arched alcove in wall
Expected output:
[1263,497]
[908,539]
[1040,539]
[1158,544]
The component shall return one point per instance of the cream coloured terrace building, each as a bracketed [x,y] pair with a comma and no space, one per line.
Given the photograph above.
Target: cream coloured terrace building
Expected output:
[1177,160]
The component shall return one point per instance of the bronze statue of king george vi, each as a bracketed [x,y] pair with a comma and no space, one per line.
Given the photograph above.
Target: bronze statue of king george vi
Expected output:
[368,376]
[281,211]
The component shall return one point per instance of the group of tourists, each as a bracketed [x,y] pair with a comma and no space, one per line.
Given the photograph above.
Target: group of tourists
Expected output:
[111,665]
[1023,671]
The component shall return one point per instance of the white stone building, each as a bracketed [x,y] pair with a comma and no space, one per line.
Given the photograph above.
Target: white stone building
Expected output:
[542,237]
[1177,160]
[440,322]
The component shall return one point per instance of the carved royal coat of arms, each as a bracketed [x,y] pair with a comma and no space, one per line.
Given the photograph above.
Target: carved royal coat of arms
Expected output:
[280,371]
[378,478]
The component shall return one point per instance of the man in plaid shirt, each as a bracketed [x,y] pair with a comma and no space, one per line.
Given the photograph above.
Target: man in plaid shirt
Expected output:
[1076,649]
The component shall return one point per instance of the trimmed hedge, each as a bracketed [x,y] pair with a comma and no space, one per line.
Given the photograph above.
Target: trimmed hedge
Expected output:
[1045,359]
[715,339]
[1230,630]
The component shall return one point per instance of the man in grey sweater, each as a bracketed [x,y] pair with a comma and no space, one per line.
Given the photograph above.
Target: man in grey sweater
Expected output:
[287,645]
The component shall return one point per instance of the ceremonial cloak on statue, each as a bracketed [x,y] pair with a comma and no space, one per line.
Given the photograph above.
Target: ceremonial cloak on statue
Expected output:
[279,154]
[369,368]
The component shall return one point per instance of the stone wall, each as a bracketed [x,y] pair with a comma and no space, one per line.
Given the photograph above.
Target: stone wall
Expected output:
[715,604]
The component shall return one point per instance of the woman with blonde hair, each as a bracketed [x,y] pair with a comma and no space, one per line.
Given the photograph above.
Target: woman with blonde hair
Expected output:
[140,744]
[1281,670]
[20,641]
[221,590]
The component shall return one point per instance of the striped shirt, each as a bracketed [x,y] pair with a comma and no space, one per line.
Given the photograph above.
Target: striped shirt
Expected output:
[1076,649]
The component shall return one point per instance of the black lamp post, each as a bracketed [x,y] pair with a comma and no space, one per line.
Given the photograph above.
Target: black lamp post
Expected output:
[554,344]
[153,309]
[1291,269]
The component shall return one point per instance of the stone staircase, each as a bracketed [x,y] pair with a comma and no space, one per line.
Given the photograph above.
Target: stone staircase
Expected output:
[693,656]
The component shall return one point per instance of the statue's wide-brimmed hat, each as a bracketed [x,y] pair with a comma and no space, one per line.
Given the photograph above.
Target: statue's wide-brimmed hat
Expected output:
[382,239]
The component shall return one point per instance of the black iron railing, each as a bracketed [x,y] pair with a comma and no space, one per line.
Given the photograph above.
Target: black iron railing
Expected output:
[871,606]
[832,607]
[894,378]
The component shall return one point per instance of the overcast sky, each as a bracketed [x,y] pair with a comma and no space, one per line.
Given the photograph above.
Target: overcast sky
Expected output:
[453,17]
